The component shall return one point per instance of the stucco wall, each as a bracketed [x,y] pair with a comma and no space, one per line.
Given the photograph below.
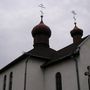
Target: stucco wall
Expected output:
[68,73]
[18,76]
[1,82]
[35,75]
[83,62]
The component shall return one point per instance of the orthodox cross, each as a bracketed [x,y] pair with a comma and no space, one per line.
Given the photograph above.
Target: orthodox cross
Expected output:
[74,16]
[42,7]
[88,74]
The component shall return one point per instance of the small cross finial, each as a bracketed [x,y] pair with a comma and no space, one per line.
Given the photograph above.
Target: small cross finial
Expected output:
[74,16]
[42,7]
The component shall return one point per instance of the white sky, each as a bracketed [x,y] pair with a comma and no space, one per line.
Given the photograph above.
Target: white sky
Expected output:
[18,17]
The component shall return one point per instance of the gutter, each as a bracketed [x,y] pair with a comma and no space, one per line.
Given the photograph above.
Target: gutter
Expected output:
[25,73]
[76,65]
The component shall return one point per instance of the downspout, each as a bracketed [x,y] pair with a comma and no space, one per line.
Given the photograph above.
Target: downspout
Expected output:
[25,74]
[77,70]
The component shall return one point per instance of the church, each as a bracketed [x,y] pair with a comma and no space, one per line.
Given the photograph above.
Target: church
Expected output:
[44,68]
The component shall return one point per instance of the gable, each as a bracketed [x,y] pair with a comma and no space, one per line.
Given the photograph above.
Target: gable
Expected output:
[86,40]
[85,51]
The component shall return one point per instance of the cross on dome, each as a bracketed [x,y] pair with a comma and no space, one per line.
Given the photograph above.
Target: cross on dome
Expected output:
[42,7]
[74,16]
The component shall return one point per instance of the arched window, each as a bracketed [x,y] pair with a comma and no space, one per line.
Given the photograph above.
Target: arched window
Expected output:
[4,83]
[10,80]
[58,81]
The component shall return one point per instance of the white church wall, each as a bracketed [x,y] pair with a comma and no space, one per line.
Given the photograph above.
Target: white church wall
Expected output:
[68,73]
[1,82]
[18,80]
[18,76]
[35,79]
[83,62]
[34,76]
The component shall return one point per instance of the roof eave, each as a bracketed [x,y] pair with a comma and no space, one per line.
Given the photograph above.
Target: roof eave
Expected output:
[20,59]
[59,60]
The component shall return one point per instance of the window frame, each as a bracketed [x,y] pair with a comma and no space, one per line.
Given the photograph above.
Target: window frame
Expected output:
[58,81]
[4,82]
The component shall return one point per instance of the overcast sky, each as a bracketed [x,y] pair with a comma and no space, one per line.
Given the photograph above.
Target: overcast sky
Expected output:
[18,17]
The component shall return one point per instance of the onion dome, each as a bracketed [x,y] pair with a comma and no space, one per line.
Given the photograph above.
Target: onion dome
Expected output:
[76,33]
[41,28]
[41,34]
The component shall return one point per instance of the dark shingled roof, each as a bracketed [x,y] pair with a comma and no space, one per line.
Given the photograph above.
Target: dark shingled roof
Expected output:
[44,52]
[64,53]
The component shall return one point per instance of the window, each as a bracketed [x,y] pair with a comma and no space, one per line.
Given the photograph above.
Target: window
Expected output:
[4,83]
[10,80]
[58,81]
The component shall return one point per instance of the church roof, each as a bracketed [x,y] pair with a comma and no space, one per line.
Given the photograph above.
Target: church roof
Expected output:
[64,53]
[43,52]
